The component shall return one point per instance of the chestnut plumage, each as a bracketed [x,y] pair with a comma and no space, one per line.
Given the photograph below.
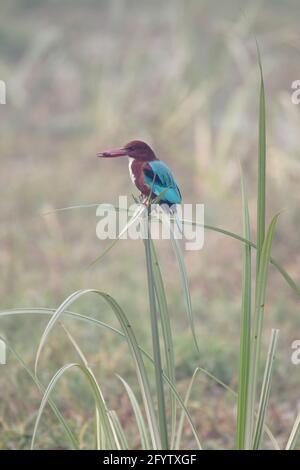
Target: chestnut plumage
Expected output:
[149,174]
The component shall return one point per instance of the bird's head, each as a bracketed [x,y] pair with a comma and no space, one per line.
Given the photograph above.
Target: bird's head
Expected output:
[136,149]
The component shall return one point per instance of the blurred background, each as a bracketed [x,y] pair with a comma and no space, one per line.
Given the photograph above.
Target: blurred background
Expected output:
[84,76]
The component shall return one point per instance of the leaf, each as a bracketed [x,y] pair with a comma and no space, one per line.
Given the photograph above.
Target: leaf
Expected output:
[133,346]
[138,415]
[265,390]
[243,437]
[163,428]
[184,278]
[166,332]
[97,397]
[260,293]
[73,441]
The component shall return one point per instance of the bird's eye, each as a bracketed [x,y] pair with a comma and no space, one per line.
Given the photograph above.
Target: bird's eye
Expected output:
[130,149]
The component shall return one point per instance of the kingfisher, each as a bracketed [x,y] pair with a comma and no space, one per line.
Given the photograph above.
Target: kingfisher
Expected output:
[150,175]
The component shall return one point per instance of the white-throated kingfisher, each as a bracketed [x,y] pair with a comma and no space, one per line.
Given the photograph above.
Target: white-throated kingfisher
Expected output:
[150,175]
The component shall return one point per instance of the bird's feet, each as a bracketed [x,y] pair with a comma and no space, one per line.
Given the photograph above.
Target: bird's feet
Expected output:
[143,200]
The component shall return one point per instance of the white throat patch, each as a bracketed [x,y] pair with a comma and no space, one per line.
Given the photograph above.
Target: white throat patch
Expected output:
[130,162]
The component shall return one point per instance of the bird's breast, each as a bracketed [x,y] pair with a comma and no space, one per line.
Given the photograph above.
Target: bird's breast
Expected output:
[131,170]
[136,171]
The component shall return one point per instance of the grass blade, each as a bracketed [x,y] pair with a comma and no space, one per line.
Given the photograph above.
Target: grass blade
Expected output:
[261,190]
[182,415]
[213,228]
[133,346]
[183,276]
[243,424]
[75,345]
[295,433]
[260,293]
[138,415]
[184,408]
[119,430]
[138,213]
[99,433]
[97,397]
[156,343]
[265,391]
[73,441]
[99,440]
[229,389]
[166,333]
[98,323]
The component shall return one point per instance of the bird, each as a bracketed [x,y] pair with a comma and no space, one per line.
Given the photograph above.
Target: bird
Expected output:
[151,176]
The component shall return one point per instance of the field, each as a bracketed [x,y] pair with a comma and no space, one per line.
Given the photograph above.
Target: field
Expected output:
[83,76]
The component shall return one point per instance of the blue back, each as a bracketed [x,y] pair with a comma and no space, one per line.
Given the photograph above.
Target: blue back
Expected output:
[163,178]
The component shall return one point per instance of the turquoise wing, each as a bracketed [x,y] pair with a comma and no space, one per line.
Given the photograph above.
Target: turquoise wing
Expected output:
[159,177]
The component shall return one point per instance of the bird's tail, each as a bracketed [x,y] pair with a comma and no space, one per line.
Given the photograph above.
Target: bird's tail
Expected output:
[177,221]
[173,211]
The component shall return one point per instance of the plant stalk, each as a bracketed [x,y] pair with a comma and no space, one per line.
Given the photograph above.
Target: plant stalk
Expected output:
[155,342]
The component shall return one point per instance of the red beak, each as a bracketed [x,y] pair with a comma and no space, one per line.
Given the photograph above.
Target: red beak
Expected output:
[113,153]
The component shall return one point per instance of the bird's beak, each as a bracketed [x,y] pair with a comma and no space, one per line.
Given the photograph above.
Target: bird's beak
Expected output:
[113,153]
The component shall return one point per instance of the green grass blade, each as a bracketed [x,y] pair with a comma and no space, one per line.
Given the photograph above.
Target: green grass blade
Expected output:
[67,208]
[119,430]
[287,277]
[138,213]
[213,228]
[260,293]
[138,415]
[265,391]
[97,397]
[166,333]
[261,190]
[133,346]
[156,344]
[52,323]
[98,323]
[75,345]
[235,236]
[98,431]
[184,408]
[243,437]
[185,286]
[183,277]
[295,434]
[99,435]
[182,414]
[73,440]
[51,311]
[229,389]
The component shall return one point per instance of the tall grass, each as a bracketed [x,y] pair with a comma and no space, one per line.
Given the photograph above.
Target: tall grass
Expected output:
[160,417]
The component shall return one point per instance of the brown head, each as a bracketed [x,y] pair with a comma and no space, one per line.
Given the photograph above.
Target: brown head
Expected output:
[136,149]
